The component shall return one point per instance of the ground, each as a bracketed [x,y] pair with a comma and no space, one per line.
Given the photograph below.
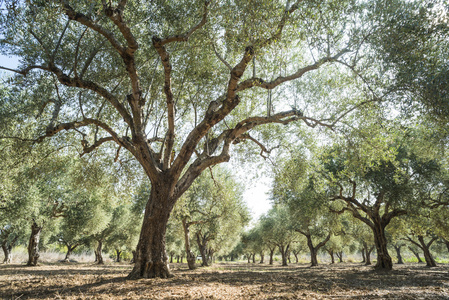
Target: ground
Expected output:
[225,281]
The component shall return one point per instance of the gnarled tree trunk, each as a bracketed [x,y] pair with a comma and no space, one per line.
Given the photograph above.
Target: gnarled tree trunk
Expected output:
[261,257]
[398,253]
[284,252]
[70,249]
[190,255]
[151,258]
[384,261]
[363,255]
[33,244]
[314,249]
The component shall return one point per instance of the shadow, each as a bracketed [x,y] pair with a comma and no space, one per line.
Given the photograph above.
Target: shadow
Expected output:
[338,281]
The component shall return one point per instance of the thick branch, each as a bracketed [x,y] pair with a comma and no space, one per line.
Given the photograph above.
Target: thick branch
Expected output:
[259,82]
[185,37]
[87,21]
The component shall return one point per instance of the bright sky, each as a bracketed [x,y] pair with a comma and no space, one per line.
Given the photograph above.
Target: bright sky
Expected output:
[257,198]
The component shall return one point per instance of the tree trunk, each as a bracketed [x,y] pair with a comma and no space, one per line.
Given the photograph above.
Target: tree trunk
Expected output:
[284,252]
[416,253]
[262,256]
[99,252]
[340,256]
[363,255]
[7,252]
[70,249]
[384,261]
[118,255]
[254,258]
[271,255]
[430,261]
[248,256]
[398,254]
[368,255]
[202,242]
[331,254]
[33,244]
[151,258]
[7,248]
[296,256]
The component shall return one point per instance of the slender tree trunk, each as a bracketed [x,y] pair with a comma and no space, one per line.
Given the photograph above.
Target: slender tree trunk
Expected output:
[99,252]
[368,255]
[384,261]
[340,256]
[118,255]
[261,257]
[271,255]
[398,254]
[7,249]
[331,254]
[190,255]
[151,257]
[70,249]
[416,253]
[296,256]
[248,256]
[363,255]
[289,254]
[33,244]
[254,258]
[430,261]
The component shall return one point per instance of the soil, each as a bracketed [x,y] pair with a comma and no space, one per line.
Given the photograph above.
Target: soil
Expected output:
[225,281]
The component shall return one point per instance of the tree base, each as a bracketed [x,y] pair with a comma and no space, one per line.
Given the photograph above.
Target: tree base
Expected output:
[151,270]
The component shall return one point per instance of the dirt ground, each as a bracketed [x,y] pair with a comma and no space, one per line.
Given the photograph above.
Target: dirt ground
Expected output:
[225,281]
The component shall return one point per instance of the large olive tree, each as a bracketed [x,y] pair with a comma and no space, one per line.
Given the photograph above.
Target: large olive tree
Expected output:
[176,84]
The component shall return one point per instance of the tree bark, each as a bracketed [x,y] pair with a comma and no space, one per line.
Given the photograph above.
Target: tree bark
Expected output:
[368,255]
[7,248]
[271,255]
[384,261]
[261,257]
[254,258]
[398,254]
[363,255]
[99,252]
[190,255]
[314,250]
[33,244]
[416,253]
[340,256]
[331,254]
[430,261]
[7,252]
[284,251]
[151,257]
[118,255]
[70,249]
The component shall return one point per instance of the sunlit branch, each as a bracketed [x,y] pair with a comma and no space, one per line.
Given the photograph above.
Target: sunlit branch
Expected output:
[185,37]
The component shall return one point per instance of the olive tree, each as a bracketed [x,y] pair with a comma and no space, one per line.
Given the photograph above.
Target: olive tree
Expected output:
[177,84]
